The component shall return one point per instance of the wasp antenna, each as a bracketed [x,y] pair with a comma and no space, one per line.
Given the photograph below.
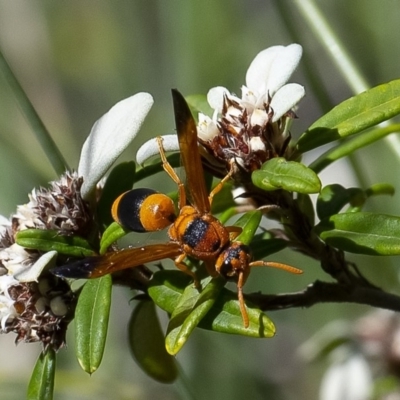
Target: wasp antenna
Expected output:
[272,264]
[242,304]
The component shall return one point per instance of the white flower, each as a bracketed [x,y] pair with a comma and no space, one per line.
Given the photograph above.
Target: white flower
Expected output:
[266,99]
[266,82]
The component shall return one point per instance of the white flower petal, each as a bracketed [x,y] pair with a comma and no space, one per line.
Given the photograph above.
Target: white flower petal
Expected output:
[351,379]
[32,273]
[272,67]
[258,72]
[150,148]
[110,136]
[285,99]
[215,97]
[283,67]
[206,128]
[259,117]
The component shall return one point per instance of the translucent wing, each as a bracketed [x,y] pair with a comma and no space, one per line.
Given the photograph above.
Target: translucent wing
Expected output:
[93,267]
[187,137]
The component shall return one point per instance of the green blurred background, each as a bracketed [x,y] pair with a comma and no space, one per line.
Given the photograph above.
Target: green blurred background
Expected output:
[75,59]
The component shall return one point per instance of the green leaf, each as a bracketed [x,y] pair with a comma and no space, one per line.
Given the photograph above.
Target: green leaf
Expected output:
[120,179]
[91,322]
[363,233]
[292,176]
[193,305]
[166,289]
[113,233]
[249,223]
[41,384]
[350,146]
[353,115]
[306,206]
[146,342]
[225,317]
[334,197]
[47,240]
[198,103]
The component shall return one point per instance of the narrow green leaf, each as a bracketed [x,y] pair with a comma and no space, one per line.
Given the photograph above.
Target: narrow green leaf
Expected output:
[353,115]
[120,179]
[292,176]
[192,307]
[41,384]
[363,233]
[147,344]
[166,290]
[91,322]
[113,233]
[334,197]
[249,223]
[47,240]
[350,146]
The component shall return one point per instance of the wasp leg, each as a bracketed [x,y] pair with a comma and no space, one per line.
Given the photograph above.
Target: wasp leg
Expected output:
[220,184]
[242,304]
[171,172]
[234,231]
[184,268]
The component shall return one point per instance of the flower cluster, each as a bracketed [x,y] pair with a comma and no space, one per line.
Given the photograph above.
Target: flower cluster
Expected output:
[254,128]
[34,304]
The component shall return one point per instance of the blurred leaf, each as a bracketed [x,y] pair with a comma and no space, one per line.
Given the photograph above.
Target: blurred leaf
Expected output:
[91,322]
[292,176]
[198,103]
[334,197]
[120,179]
[264,244]
[113,233]
[249,223]
[166,290]
[47,240]
[349,146]
[362,232]
[193,305]
[353,115]
[41,384]
[306,207]
[146,341]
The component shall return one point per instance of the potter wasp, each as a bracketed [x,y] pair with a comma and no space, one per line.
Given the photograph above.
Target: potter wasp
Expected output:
[194,232]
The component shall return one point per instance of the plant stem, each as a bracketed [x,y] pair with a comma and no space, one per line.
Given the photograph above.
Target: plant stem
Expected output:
[53,153]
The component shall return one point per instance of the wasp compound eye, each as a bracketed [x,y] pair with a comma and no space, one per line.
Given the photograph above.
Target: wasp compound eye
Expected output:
[234,259]
[143,210]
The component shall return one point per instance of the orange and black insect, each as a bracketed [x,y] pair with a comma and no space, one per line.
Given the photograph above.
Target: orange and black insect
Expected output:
[194,232]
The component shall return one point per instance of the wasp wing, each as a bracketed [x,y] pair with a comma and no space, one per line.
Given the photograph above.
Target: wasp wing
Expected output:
[93,267]
[187,137]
